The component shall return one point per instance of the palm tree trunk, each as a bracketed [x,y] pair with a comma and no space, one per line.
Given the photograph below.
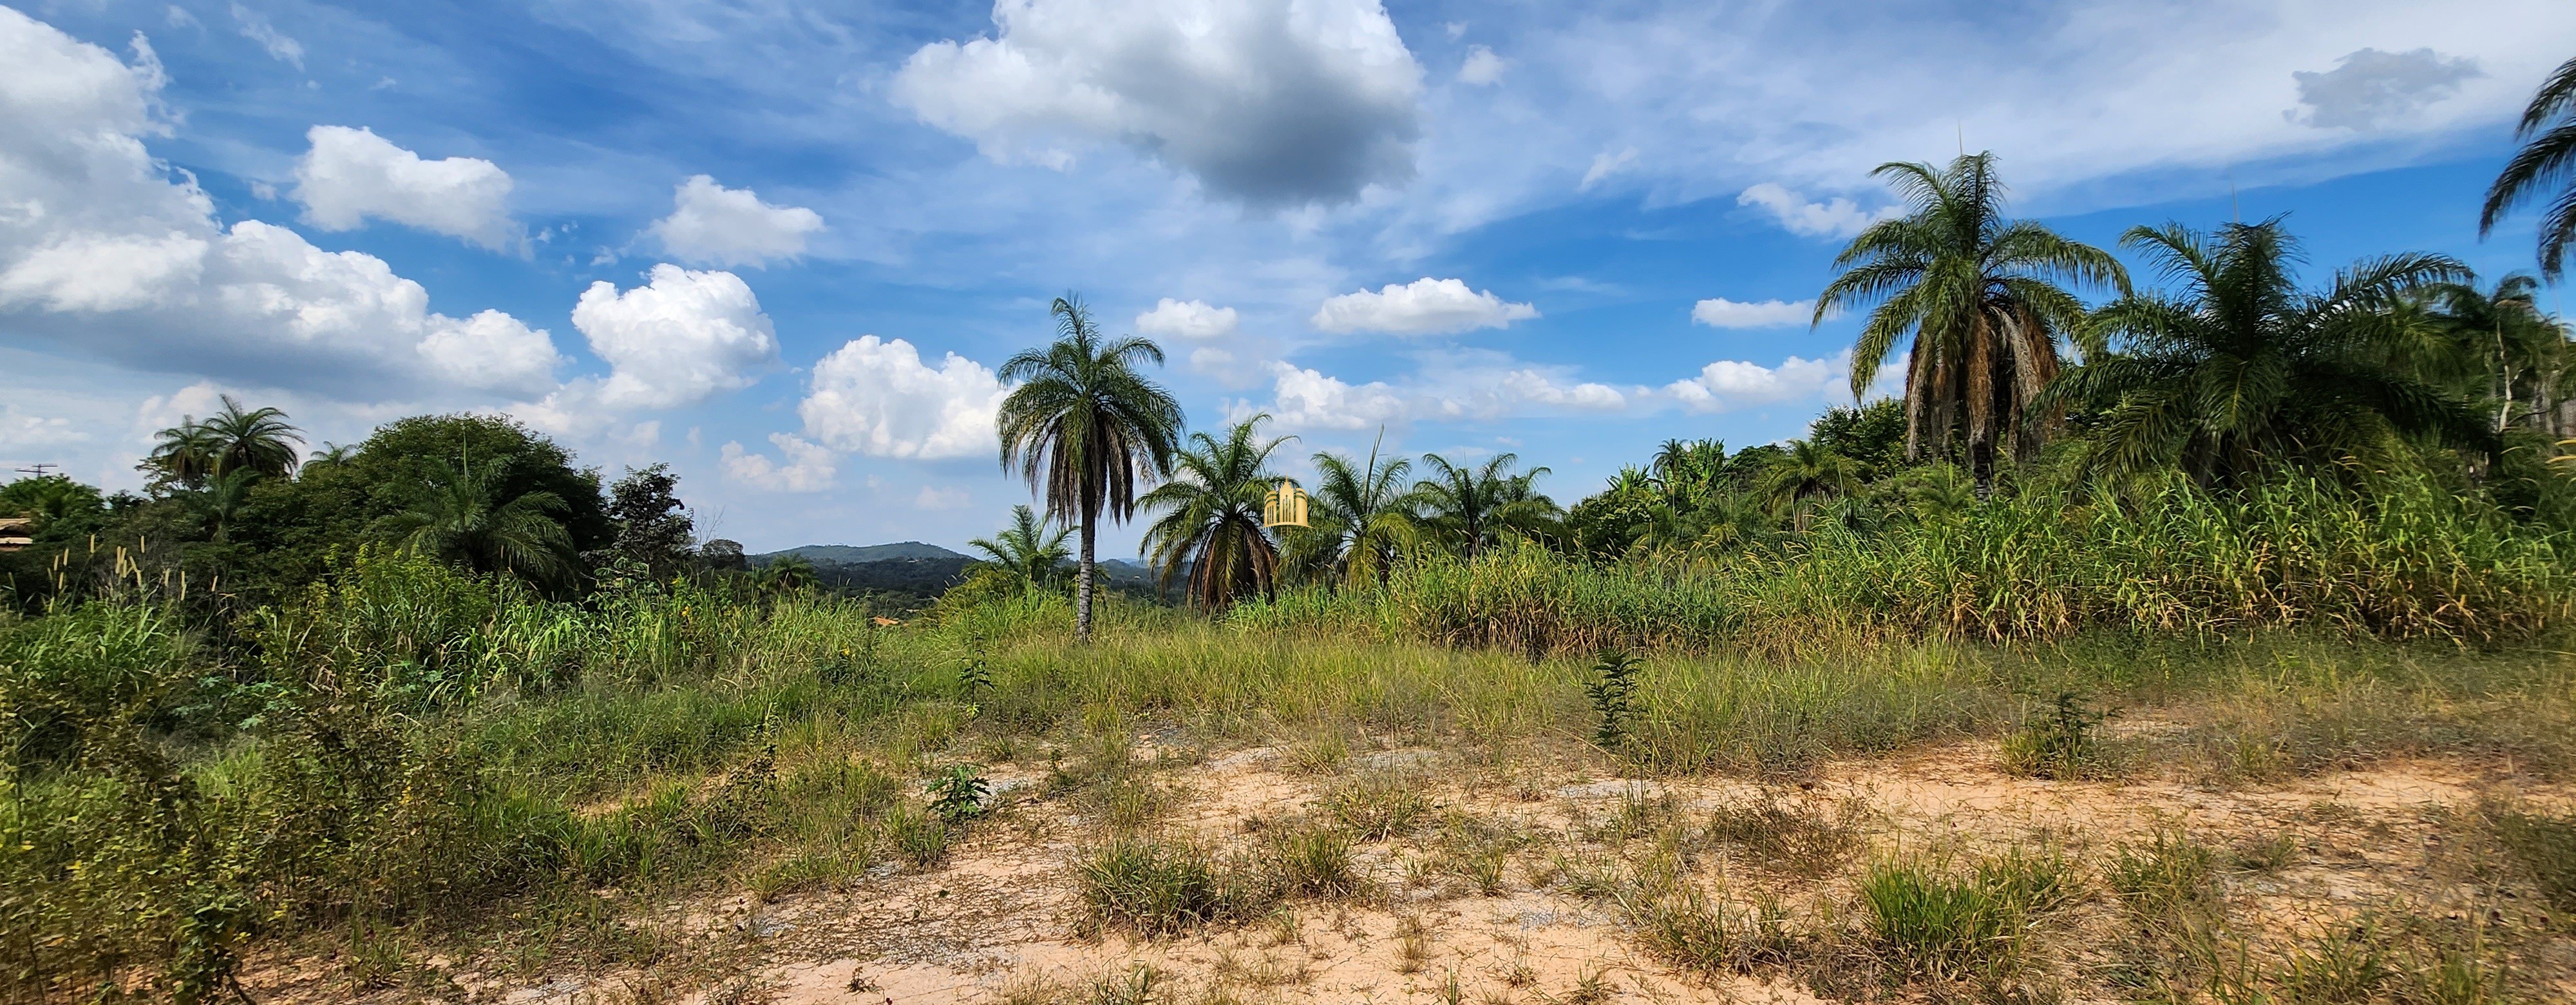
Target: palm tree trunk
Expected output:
[1918,383]
[1980,381]
[1082,582]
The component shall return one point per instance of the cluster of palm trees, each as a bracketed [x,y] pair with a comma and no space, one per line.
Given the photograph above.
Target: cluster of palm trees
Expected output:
[213,462]
[1088,430]
[464,513]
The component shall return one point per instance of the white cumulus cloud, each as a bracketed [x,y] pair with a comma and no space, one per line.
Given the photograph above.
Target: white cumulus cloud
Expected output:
[809,466]
[679,339]
[1425,306]
[1189,319]
[1307,399]
[1270,102]
[1720,312]
[106,253]
[1481,67]
[1835,217]
[877,397]
[714,225]
[1730,384]
[352,174]
[942,497]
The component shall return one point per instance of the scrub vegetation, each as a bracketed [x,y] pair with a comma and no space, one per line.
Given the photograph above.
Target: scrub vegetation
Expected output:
[2208,642]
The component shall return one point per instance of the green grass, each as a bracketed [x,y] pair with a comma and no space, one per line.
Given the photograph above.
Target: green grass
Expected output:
[411,748]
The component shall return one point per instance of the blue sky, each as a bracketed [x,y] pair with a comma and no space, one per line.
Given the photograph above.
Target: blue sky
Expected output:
[782,245]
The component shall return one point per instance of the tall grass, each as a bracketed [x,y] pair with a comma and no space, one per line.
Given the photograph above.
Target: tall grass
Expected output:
[2410,562]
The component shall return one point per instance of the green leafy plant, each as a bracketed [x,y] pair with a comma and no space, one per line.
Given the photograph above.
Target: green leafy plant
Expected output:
[960,794]
[1613,693]
[2062,745]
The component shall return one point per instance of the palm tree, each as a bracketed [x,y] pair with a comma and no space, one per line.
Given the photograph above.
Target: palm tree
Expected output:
[1359,519]
[185,453]
[786,574]
[258,440]
[2503,345]
[1468,508]
[220,502]
[1808,472]
[462,518]
[2547,160]
[2241,370]
[1026,551]
[1212,516]
[1981,297]
[1081,424]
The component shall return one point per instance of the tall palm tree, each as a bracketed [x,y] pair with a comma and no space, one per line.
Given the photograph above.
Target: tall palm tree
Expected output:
[258,439]
[463,518]
[2509,352]
[195,452]
[1980,296]
[1083,426]
[2546,161]
[1211,516]
[1468,508]
[2240,370]
[220,502]
[1026,551]
[184,453]
[1360,518]
[1808,473]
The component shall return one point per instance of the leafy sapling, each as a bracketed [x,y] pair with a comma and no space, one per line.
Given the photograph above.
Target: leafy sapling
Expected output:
[960,794]
[1613,696]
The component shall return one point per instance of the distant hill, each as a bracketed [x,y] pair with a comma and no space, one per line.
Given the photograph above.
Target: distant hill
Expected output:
[848,554]
[910,567]
[926,570]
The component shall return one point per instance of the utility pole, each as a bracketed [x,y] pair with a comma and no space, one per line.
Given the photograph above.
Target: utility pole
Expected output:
[40,470]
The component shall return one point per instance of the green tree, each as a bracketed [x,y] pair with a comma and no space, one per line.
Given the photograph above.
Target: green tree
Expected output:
[396,464]
[1981,298]
[50,499]
[1026,551]
[2543,170]
[2502,348]
[787,574]
[1211,516]
[1808,473]
[2239,369]
[1358,520]
[1085,428]
[1468,508]
[653,525]
[194,452]
[466,517]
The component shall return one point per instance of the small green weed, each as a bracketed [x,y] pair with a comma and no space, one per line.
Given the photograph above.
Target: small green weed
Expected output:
[1314,862]
[2170,874]
[2063,745]
[1378,805]
[1798,836]
[959,794]
[1157,888]
[920,838]
[1960,927]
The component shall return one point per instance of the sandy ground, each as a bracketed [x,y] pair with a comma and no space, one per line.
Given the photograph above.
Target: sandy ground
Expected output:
[1000,920]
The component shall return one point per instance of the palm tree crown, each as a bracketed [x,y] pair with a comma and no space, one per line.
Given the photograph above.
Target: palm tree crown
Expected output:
[2546,161]
[1468,508]
[1083,426]
[462,517]
[1360,519]
[1979,294]
[1211,516]
[2240,369]
[258,440]
[1026,551]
